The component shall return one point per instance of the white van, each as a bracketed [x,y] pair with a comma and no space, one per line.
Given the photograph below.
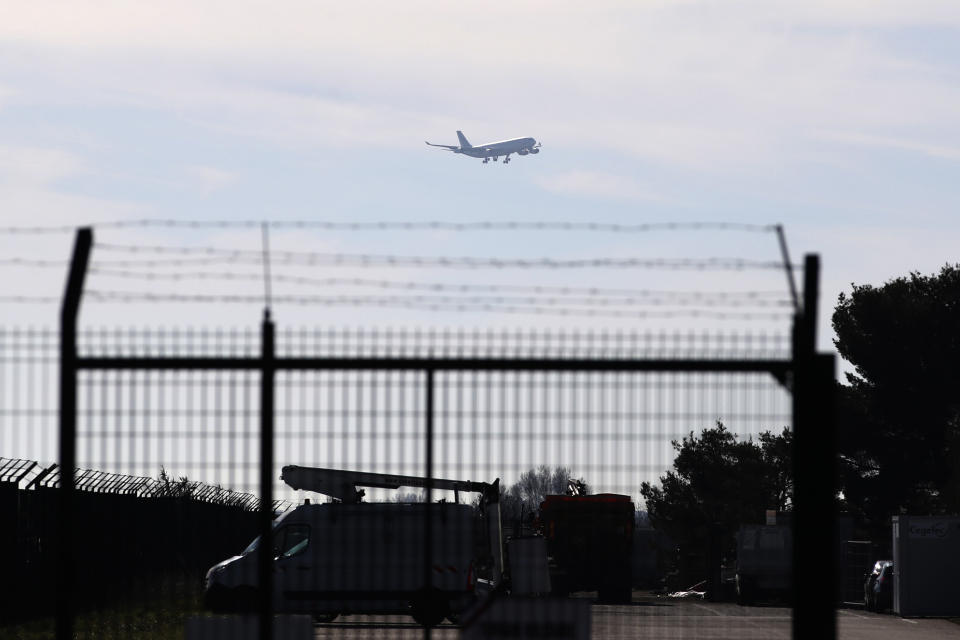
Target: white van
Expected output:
[336,558]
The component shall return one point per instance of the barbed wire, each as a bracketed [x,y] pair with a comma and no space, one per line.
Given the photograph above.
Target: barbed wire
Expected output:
[428,303]
[30,299]
[428,225]
[542,300]
[160,262]
[761,296]
[367,260]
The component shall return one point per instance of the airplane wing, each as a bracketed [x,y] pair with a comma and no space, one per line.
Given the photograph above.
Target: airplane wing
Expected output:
[449,147]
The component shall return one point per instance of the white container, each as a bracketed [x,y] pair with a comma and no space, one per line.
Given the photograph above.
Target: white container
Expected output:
[926,563]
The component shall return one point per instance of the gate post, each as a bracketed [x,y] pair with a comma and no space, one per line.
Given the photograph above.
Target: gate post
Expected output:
[265,558]
[814,471]
[69,310]
[428,498]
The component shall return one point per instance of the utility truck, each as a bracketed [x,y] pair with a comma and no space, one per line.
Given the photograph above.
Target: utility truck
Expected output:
[349,557]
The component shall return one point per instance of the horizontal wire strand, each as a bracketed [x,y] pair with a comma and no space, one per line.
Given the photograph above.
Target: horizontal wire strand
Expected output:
[428,225]
[438,286]
[412,302]
[366,260]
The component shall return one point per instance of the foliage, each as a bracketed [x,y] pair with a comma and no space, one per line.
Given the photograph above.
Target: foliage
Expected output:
[409,497]
[524,496]
[156,611]
[719,480]
[899,414]
[182,487]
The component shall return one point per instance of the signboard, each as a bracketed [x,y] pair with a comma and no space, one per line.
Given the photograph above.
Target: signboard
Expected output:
[513,618]
[928,529]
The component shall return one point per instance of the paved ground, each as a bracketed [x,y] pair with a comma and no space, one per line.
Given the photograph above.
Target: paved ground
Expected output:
[664,619]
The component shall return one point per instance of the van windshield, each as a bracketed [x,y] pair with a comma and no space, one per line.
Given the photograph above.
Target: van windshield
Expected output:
[253,546]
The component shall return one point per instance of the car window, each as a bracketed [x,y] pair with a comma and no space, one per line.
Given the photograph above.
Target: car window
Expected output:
[253,546]
[292,539]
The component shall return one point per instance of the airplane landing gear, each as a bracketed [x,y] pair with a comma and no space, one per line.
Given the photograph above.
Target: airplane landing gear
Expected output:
[486,160]
[506,160]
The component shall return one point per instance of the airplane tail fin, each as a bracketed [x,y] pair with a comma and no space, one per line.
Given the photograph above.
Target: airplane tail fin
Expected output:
[463,140]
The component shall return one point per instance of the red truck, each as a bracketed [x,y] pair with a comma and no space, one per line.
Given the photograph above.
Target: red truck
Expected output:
[590,542]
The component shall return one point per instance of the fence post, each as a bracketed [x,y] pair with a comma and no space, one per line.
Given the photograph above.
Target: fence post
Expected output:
[267,373]
[428,499]
[69,310]
[814,464]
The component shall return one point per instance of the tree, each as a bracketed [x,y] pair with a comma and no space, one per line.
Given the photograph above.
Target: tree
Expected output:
[719,480]
[533,486]
[409,497]
[899,414]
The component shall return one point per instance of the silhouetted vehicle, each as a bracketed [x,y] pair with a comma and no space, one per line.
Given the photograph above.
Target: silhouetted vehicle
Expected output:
[878,587]
[764,562]
[590,544]
[353,557]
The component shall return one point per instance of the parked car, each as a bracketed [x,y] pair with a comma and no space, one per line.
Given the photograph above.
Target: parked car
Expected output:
[878,587]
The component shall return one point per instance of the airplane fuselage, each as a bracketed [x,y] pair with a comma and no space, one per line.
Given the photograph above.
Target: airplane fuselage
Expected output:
[520,146]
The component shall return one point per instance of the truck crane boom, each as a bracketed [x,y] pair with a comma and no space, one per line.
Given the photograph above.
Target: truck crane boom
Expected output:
[342,484]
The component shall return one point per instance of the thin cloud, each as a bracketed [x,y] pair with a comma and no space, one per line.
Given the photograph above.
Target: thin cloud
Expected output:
[680,84]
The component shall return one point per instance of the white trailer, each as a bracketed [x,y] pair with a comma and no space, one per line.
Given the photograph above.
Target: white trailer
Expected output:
[352,557]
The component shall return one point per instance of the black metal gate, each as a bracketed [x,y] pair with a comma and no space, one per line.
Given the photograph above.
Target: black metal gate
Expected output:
[806,374]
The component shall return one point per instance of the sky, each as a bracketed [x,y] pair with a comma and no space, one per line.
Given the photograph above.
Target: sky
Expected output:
[839,120]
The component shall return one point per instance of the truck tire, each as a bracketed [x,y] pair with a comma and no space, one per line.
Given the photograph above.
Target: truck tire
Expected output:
[429,608]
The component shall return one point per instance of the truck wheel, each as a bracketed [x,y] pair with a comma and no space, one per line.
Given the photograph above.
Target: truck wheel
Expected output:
[429,608]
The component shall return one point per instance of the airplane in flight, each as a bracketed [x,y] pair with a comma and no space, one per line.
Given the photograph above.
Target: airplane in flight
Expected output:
[519,146]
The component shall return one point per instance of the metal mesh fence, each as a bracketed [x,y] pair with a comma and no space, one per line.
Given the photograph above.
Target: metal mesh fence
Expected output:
[190,438]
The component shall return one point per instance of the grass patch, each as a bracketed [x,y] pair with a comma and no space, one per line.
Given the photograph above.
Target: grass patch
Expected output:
[157,614]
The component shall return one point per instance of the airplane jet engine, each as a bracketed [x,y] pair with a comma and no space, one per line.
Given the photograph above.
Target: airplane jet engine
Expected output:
[534,150]
[523,152]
